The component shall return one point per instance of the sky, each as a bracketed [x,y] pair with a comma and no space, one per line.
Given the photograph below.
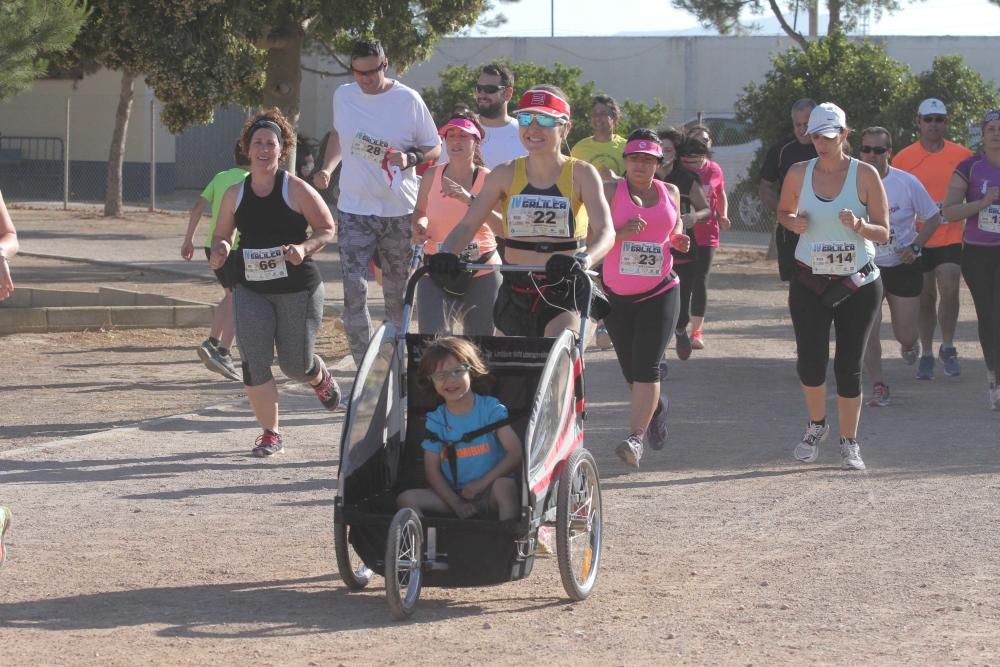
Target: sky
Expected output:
[531,18]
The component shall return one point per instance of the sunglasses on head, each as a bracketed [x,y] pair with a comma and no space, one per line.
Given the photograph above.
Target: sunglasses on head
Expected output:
[878,150]
[365,72]
[489,88]
[451,373]
[936,118]
[543,120]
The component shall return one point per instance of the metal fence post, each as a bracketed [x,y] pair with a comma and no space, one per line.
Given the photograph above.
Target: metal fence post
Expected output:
[66,158]
[152,155]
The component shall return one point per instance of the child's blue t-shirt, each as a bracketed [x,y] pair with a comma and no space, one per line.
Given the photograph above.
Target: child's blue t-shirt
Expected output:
[475,459]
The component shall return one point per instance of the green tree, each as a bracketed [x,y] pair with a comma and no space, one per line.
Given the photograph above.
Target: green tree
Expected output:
[458,83]
[963,90]
[857,76]
[31,31]
[198,55]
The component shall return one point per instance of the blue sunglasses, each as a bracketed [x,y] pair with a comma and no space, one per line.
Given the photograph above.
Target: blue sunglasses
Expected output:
[524,120]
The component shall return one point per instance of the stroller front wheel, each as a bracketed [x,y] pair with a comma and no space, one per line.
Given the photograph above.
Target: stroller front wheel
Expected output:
[578,524]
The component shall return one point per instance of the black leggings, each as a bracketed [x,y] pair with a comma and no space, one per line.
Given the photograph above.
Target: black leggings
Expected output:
[641,331]
[852,322]
[981,270]
[694,287]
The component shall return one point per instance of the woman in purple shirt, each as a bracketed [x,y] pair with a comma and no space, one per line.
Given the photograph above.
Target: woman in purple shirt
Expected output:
[974,194]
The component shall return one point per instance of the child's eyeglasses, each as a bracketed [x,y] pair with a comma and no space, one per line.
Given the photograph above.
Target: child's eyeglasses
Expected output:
[450,374]
[524,120]
[878,150]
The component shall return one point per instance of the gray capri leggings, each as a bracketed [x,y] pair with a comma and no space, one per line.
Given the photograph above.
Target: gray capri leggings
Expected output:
[288,322]
[435,309]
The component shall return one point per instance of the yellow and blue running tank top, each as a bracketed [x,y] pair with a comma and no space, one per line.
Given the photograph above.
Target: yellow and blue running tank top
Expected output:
[554,212]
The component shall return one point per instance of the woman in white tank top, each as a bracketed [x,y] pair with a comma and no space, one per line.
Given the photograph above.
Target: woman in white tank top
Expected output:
[838,208]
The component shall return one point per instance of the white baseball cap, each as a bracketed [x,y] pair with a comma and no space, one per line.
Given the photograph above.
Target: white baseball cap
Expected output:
[826,120]
[932,105]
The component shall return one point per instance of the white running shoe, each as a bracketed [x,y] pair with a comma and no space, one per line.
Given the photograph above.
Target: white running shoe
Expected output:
[807,450]
[630,450]
[850,455]
[910,355]
[602,338]
[994,394]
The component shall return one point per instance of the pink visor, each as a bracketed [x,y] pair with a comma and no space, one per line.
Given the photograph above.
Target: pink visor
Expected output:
[643,146]
[463,124]
[545,102]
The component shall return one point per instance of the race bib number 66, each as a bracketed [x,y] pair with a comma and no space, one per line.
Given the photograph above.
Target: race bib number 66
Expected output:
[264,264]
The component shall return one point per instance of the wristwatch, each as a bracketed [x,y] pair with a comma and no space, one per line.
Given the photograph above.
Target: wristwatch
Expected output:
[915,247]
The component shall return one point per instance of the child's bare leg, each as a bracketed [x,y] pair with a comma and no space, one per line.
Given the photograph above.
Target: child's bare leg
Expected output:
[505,496]
[423,500]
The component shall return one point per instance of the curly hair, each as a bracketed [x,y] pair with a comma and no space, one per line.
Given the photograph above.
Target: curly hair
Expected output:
[259,121]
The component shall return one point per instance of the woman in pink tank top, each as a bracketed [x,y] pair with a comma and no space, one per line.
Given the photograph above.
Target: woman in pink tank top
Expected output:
[641,285]
[445,194]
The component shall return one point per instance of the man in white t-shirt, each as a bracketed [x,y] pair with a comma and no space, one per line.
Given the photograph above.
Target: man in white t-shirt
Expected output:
[381,131]
[899,258]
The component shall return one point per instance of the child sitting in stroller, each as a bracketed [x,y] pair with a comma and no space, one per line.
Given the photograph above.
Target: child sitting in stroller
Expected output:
[467,475]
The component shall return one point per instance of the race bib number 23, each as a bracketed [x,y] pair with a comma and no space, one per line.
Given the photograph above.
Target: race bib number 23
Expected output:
[641,259]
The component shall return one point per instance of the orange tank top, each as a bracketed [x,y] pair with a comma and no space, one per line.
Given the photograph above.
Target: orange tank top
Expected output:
[444,214]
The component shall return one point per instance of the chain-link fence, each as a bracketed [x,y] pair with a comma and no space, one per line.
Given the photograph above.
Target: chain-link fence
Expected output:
[735,149]
[63,158]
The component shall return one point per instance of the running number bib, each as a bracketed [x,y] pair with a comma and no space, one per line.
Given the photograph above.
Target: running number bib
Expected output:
[889,247]
[835,257]
[264,264]
[538,215]
[641,259]
[369,148]
[989,219]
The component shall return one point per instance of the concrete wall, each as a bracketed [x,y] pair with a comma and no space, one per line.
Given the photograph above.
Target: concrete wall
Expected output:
[41,111]
[689,74]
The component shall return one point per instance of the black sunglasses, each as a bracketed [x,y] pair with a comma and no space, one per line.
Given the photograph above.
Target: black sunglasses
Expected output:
[878,150]
[489,89]
[934,119]
[366,72]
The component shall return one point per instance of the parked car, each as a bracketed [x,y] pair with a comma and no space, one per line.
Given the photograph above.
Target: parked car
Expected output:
[734,150]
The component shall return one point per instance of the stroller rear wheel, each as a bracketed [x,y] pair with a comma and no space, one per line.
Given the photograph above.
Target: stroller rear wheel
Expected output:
[403,559]
[578,524]
[353,571]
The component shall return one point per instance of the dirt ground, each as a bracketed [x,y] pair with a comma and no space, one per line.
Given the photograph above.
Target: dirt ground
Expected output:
[141,538]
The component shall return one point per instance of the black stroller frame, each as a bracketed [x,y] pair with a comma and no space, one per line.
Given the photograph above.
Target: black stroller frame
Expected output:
[539,379]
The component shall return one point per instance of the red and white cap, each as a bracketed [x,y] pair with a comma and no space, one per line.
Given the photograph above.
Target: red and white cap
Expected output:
[542,101]
[643,146]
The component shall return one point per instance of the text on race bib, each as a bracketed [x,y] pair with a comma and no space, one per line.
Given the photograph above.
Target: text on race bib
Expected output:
[835,257]
[989,219]
[889,246]
[538,215]
[640,258]
[264,264]
[369,148]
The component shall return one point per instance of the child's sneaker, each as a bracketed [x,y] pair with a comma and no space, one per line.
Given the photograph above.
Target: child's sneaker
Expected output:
[4,526]
[328,391]
[546,541]
[630,450]
[808,450]
[697,343]
[267,444]
[880,396]
[850,454]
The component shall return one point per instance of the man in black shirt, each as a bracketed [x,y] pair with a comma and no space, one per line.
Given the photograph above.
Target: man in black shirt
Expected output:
[778,161]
